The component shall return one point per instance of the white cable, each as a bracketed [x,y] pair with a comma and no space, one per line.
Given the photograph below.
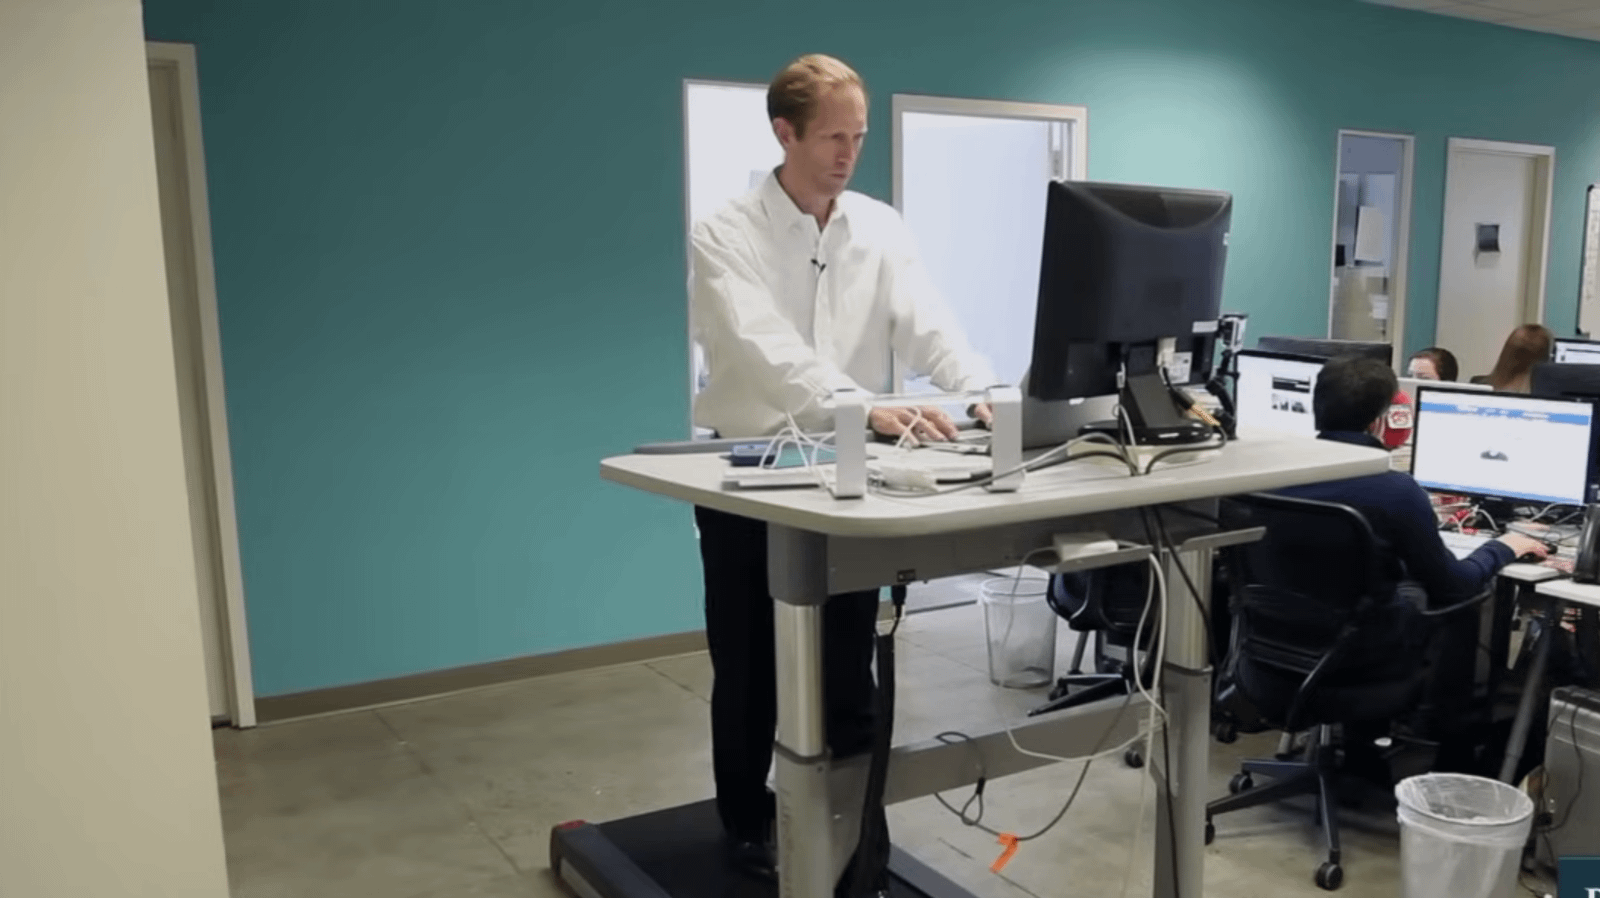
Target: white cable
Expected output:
[1158,588]
[908,433]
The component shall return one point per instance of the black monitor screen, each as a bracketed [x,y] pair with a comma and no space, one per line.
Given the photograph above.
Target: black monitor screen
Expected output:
[1328,349]
[1124,267]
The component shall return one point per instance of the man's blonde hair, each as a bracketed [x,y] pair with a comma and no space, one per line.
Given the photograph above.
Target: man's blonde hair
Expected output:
[795,92]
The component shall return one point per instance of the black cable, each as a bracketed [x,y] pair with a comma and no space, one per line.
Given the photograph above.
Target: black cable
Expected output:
[872,844]
[1207,447]
[977,789]
[1172,826]
[1198,515]
[1071,797]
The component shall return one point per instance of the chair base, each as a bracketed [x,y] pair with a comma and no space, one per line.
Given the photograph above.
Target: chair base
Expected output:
[1317,775]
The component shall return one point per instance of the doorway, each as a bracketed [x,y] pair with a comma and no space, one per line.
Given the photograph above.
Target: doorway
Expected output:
[969,180]
[1496,244]
[197,357]
[728,149]
[1371,237]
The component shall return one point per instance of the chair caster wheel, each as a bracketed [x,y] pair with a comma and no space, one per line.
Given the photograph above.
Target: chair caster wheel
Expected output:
[1226,733]
[1211,832]
[1330,876]
[1133,758]
[1241,782]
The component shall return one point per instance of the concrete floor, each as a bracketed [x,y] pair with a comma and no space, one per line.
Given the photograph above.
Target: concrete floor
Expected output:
[455,796]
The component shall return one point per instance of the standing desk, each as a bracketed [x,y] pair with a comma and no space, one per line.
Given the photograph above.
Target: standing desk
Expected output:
[819,546]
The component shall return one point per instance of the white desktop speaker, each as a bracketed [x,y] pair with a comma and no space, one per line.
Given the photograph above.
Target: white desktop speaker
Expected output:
[1005,439]
[850,444]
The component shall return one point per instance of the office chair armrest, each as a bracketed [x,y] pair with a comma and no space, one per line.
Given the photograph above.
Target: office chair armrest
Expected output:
[1475,601]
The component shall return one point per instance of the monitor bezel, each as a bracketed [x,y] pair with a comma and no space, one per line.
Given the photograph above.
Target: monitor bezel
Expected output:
[1589,485]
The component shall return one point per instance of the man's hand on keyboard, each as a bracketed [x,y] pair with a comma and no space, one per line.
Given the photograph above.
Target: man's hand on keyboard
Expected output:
[926,422]
[1526,545]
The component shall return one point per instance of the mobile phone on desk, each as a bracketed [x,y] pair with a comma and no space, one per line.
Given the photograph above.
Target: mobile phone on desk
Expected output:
[753,455]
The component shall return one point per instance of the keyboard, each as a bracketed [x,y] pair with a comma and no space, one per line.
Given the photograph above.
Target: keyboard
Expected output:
[1462,544]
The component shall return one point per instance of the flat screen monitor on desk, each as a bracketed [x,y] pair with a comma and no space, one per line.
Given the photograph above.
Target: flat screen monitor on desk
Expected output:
[1410,385]
[1571,351]
[1327,349]
[1504,446]
[1570,379]
[1127,271]
[1274,393]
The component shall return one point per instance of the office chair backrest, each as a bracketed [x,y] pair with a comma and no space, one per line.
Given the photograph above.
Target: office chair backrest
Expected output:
[1108,599]
[1304,592]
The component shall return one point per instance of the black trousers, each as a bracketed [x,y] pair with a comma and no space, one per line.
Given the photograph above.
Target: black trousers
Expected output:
[744,694]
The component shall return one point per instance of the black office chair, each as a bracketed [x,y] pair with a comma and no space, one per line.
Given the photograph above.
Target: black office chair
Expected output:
[1105,604]
[1316,643]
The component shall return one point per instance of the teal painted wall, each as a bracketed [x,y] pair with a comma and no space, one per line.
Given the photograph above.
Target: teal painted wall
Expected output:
[449,249]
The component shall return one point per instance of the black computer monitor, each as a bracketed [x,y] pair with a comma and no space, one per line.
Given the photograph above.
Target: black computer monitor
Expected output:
[1123,269]
[1574,351]
[1572,379]
[1328,349]
[1273,392]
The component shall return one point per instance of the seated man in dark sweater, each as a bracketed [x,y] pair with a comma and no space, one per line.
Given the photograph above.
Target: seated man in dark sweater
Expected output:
[1350,397]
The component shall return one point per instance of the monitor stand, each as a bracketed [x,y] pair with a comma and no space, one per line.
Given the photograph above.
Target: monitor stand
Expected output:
[1049,424]
[1152,417]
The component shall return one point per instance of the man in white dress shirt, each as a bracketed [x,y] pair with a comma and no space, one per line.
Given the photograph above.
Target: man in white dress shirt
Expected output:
[798,289]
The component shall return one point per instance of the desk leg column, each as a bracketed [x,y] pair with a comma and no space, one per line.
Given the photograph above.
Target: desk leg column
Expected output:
[797,569]
[1550,624]
[1181,766]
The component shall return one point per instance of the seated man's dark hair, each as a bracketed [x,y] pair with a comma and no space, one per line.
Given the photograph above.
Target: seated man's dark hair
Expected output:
[1352,392]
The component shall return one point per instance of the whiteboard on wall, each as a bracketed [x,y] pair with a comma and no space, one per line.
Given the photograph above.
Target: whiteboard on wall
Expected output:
[728,147]
[1588,314]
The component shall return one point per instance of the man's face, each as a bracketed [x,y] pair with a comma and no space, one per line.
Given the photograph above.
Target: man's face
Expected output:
[825,158]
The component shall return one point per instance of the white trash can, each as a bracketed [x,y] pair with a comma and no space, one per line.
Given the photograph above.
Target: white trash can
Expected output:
[1021,628]
[1461,836]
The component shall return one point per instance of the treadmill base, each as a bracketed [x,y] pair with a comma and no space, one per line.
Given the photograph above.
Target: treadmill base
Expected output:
[677,853]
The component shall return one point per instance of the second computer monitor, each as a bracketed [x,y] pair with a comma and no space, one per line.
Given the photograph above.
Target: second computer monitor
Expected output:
[1327,349]
[1571,351]
[1571,379]
[1505,446]
[1273,393]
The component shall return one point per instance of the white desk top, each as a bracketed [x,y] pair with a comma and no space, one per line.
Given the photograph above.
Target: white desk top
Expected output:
[1577,593]
[1074,488]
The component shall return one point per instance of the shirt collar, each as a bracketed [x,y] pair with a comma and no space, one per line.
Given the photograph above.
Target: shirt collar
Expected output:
[1353,437]
[782,211]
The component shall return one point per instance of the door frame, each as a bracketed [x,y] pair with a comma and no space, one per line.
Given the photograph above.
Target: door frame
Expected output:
[1544,179]
[688,230]
[235,637]
[1400,270]
[1071,165]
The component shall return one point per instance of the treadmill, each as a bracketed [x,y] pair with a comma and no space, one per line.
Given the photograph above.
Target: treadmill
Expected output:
[678,852]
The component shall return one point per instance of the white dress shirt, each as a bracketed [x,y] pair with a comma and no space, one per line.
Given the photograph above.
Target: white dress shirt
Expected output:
[786,313]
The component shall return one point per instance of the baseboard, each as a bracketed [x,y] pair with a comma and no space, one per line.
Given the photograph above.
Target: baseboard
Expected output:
[440,682]
[278,708]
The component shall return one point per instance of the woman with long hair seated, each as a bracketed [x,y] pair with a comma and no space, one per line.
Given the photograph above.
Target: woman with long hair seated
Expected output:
[1527,346]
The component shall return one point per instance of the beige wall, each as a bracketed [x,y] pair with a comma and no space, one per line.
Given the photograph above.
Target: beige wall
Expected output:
[107,784]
